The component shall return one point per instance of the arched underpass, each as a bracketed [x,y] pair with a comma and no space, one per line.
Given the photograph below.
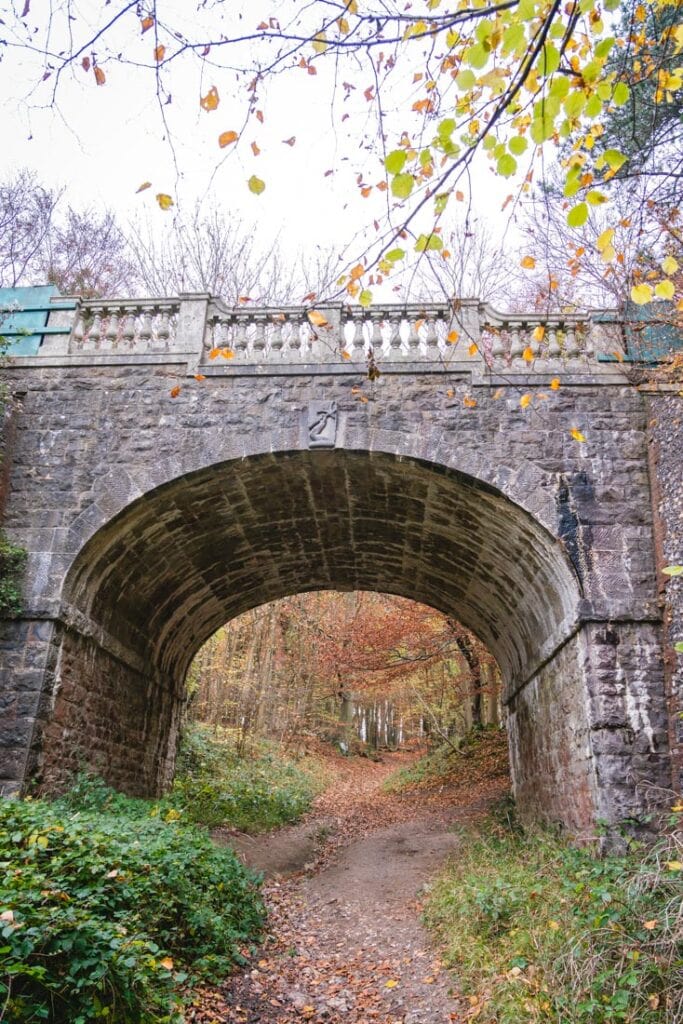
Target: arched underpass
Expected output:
[154,583]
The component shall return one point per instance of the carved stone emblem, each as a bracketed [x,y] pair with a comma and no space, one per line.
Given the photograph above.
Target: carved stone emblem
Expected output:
[322,424]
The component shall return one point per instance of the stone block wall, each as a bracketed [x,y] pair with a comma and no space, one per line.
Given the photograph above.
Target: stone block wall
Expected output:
[150,520]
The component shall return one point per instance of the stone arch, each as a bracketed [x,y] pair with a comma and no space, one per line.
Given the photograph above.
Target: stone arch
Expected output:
[154,581]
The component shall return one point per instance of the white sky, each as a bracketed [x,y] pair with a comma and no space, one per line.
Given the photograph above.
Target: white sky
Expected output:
[102,142]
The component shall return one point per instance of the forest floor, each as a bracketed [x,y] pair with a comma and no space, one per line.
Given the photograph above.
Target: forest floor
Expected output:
[344,941]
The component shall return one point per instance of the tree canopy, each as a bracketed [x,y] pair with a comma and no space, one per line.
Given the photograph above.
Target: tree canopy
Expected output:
[426,87]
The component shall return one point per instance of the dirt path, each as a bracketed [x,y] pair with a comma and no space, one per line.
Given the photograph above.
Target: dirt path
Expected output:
[345,942]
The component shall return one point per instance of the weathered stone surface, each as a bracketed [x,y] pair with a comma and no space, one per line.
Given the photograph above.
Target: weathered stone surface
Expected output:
[150,521]
[665,423]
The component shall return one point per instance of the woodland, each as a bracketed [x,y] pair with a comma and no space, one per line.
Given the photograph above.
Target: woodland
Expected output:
[347,729]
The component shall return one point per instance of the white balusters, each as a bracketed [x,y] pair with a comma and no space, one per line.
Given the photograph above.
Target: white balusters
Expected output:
[413,340]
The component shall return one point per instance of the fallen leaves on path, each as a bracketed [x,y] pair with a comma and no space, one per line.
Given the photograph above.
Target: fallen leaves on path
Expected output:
[334,954]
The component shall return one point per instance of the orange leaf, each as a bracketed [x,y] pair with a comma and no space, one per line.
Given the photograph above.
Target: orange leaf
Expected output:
[100,76]
[227,353]
[214,353]
[167,963]
[159,52]
[576,434]
[345,354]
[498,393]
[369,93]
[468,402]
[175,391]
[317,319]
[452,337]
[365,191]
[259,116]
[211,100]
[254,148]
[450,393]
[525,401]
[225,138]
[528,262]
[357,271]
[459,195]
[649,925]
[147,22]
[145,184]
[473,349]
[555,384]
[528,354]
[199,376]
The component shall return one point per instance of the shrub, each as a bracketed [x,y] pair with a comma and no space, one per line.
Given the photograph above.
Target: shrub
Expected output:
[540,931]
[107,909]
[214,786]
[12,563]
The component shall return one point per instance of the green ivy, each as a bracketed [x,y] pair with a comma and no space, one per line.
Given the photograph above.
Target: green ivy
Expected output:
[12,564]
[109,906]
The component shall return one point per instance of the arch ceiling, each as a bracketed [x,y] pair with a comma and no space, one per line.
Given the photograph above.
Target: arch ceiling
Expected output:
[185,558]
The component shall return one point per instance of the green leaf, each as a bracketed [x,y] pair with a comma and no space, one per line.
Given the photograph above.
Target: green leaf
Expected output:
[578,215]
[678,646]
[365,298]
[603,48]
[466,80]
[256,185]
[507,165]
[513,37]
[574,104]
[614,158]
[395,161]
[621,94]
[593,106]
[428,242]
[477,56]
[542,129]
[595,198]
[402,185]
[518,144]
[549,60]
[573,182]
[441,202]
[395,255]
[446,128]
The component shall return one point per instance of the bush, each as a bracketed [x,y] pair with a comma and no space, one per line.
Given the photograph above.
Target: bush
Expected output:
[540,931]
[12,564]
[214,786]
[107,909]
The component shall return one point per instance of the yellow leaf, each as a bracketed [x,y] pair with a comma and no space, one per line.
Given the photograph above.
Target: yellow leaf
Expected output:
[641,293]
[100,77]
[678,807]
[468,402]
[452,338]
[319,44]
[225,138]
[528,262]
[159,52]
[226,353]
[317,319]
[576,434]
[256,185]
[345,354]
[391,983]
[211,100]
[649,925]
[674,865]
[164,201]
[167,963]
[450,393]
[669,265]
[145,184]
[498,393]
[665,290]
[525,401]
[605,239]
[539,333]
[528,354]
[554,926]
[555,384]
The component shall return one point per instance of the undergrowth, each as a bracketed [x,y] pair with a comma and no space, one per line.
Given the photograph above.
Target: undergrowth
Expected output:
[252,793]
[446,764]
[537,930]
[108,906]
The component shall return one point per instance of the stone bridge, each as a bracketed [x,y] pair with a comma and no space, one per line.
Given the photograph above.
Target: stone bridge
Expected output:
[169,464]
